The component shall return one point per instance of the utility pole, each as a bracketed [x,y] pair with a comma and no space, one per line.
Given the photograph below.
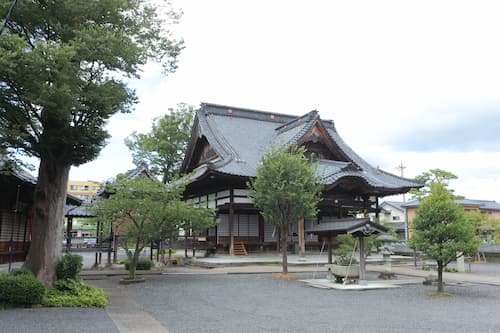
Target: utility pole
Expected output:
[401,168]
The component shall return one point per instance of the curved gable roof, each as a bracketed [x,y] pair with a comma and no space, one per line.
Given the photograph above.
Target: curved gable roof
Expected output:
[240,137]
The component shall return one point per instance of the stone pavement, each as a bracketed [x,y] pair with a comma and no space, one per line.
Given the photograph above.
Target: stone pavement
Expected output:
[447,277]
[127,315]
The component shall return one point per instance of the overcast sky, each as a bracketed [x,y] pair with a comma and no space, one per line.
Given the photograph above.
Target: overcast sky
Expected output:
[414,82]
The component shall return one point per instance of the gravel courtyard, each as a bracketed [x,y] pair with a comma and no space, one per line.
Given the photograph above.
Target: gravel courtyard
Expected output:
[259,303]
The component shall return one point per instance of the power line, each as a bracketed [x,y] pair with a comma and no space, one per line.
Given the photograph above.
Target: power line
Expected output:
[11,9]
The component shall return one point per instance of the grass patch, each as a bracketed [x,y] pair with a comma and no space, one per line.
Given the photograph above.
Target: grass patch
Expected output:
[284,276]
[440,295]
[89,297]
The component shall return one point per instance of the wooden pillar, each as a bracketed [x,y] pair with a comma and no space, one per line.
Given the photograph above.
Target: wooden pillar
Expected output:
[96,264]
[361,258]
[329,240]
[115,245]
[69,227]
[262,229]
[302,239]
[377,210]
[110,248]
[231,223]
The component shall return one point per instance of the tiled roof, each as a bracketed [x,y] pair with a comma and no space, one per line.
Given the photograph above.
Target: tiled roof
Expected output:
[349,226]
[481,204]
[78,211]
[26,177]
[395,204]
[240,137]
[142,168]
[131,174]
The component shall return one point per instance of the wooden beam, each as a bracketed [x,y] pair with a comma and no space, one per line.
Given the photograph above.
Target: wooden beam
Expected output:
[69,227]
[231,222]
[329,239]
[361,258]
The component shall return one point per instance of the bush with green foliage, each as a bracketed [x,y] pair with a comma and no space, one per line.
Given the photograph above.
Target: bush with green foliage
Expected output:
[21,289]
[344,253]
[72,286]
[82,296]
[21,271]
[69,266]
[142,265]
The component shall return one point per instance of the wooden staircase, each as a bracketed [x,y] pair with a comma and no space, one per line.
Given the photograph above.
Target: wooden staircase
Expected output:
[239,249]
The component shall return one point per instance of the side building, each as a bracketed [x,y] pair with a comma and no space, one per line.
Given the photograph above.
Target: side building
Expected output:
[488,207]
[225,148]
[393,213]
[84,190]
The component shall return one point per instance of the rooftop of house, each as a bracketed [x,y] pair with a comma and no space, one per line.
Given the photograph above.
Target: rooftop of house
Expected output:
[396,204]
[481,204]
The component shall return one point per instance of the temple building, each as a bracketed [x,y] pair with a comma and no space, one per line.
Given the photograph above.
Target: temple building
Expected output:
[225,148]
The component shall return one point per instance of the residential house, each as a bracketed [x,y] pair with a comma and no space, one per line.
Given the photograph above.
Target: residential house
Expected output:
[85,190]
[393,213]
[489,207]
[225,148]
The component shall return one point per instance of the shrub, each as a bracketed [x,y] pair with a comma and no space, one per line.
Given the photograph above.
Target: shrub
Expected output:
[69,266]
[71,286]
[22,271]
[142,265]
[21,289]
[89,296]
[344,254]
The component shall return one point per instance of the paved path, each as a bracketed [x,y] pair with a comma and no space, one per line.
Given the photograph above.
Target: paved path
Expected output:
[127,315]
[453,277]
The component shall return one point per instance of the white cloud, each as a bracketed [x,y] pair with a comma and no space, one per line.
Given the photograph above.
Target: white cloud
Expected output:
[375,67]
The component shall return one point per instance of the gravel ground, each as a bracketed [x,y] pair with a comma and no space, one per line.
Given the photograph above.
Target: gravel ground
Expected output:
[259,303]
[54,320]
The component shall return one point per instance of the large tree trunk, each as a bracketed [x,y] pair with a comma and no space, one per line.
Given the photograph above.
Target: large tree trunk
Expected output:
[440,287]
[134,260]
[48,221]
[284,247]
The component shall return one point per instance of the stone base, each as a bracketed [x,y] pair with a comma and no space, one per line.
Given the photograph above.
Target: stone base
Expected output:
[129,281]
[387,276]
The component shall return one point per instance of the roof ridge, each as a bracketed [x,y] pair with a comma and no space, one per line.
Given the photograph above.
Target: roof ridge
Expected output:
[226,146]
[314,117]
[295,122]
[240,112]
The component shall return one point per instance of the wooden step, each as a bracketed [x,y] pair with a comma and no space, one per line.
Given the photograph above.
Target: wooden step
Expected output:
[239,249]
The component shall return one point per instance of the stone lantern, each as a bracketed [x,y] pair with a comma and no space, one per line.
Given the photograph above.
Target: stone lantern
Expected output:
[387,241]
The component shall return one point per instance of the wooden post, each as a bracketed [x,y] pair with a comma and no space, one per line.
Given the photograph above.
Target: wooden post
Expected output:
[262,230]
[231,223]
[96,264]
[329,240]
[110,248]
[302,240]
[115,245]
[361,258]
[69,227]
